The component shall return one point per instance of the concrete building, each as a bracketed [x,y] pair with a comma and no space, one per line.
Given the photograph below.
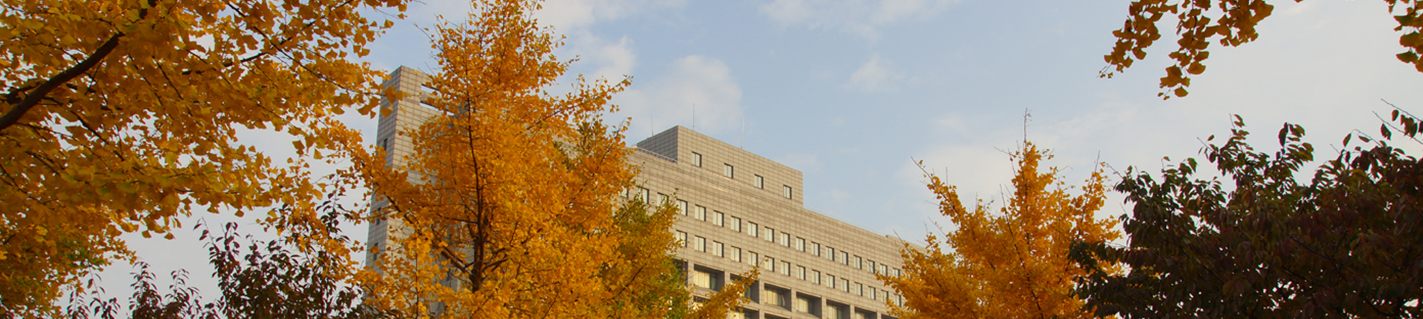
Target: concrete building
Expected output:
[739,210]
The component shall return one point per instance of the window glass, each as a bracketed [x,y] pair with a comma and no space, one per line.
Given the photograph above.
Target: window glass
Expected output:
[696,159]
[786,191]
[785,268]
[800,272]
[682,238]
[760,182]
[859,263]
[717,218]
[785,239]
[728,171]
[752,229]
[845,257]
[683,208]
[700,213]
[768,263]
[700,244]
[815,276]
[770,234]
[815,248]
[736,254]
[735,224]
[752,257]
[716,249]
[800,244]
[830,280]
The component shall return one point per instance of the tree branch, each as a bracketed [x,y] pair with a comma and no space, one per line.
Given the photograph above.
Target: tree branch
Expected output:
[32,99]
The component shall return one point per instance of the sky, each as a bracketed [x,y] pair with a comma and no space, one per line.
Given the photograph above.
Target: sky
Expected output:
[853,92]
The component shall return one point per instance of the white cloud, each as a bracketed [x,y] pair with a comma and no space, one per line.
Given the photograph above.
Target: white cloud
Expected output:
[875,77]
[569,15]
[855,16]
[692,81]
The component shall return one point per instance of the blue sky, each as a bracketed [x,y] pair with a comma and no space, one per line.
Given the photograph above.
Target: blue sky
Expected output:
[850,91]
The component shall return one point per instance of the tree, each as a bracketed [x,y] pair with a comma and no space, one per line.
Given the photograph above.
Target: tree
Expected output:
[1347,244]
[1228,22]
[285,278]
[122,115]
[1008,265]
[508,205]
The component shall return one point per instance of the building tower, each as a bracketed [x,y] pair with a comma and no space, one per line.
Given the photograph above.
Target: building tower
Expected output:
[738,211]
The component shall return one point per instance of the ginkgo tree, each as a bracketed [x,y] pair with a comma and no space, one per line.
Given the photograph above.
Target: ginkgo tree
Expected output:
[1009,264]
[1199,23]
[121,116]
[508,204]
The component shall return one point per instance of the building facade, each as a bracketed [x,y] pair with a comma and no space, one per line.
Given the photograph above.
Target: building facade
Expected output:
[738,211]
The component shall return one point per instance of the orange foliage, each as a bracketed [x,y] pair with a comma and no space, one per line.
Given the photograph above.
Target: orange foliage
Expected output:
[122,115]
[508,205]
[1013,264]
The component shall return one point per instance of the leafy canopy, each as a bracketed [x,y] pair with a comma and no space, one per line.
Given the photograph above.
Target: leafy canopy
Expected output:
[121,115]
[1008,265]
[508,204]
[1228,22]
[1346,244]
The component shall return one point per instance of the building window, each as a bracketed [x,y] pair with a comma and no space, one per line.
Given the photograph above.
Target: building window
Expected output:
[662,198]
[736,224]
[700,213]
[700,244]
[770,234]
[760,182]
[682,238]
[736,254]
[644,194]
[898,273]
[830,253]
[702,279]
[785,268]
[718,218]
[874,293]
[752,257]
[752,230]
[729,171]
[785,239]
[800,244]
[802,304]
[845,284]
[860,289]
[830,281]
[716,249]
[872,267]
[815,276]
[786,191]
[696,159]
[859,263]
[845,257]
[815,248]
[683,208]
[883,269]
[800,272]
[768,263]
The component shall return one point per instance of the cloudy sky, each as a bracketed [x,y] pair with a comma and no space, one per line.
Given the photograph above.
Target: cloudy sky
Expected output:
[851,92]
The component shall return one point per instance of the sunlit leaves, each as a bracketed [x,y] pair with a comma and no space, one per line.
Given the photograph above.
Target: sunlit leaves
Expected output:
[508,205]
[121,116]
[1227,22]
[1009,264]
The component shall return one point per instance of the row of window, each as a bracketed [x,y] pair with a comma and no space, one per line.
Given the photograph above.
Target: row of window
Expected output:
[719,249]
[729,171]
[734,223]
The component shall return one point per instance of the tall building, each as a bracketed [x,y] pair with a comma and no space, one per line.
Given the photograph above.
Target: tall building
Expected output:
[738,211]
